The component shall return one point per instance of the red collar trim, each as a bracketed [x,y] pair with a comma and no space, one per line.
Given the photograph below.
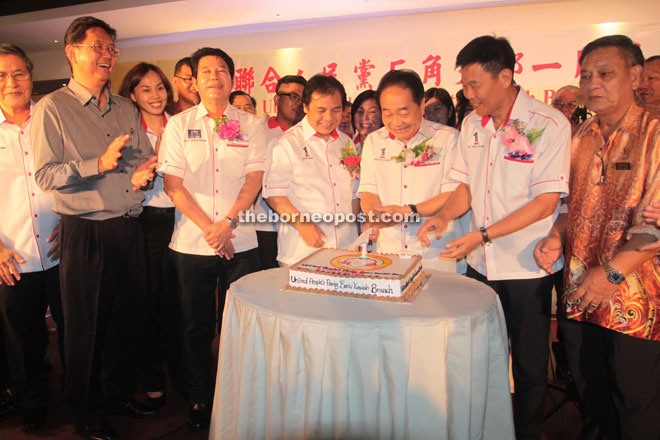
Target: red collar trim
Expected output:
[391,136]
[485,119]
[272,123]
[144,124]
[334,134]
[357,139]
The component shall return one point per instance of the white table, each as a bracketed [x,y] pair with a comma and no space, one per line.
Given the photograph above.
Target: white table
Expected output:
[300,365]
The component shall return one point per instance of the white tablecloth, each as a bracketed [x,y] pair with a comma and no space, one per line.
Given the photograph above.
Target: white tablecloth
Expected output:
[298,365]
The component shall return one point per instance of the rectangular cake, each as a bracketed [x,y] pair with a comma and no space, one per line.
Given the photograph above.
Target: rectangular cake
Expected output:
[386,277]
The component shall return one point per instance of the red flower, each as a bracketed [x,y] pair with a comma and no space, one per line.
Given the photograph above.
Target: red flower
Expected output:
[352,161]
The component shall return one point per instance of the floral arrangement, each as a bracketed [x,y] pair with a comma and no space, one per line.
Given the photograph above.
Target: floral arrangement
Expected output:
[228,129]
[519,140]
[350,159]
[418,155]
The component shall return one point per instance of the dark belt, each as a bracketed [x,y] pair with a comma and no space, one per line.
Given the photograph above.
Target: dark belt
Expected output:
[153,210]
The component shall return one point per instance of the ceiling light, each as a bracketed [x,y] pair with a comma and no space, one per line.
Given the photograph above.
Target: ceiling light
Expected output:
[56,41]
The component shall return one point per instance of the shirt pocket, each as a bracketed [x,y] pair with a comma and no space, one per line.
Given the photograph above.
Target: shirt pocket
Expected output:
[198,156]
[8,160]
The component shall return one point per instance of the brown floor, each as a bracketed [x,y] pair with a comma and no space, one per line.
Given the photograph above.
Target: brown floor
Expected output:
[170,424]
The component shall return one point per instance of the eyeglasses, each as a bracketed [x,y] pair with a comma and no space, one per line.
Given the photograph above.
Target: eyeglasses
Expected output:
[18,76]
[597,176]
[572,105]
[100,48]
[294,97]
[186,79]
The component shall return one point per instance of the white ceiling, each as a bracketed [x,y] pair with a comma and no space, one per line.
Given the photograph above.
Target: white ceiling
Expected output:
[136,19]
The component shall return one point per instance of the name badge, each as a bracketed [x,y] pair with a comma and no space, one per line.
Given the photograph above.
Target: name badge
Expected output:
[194,134]
[622,166]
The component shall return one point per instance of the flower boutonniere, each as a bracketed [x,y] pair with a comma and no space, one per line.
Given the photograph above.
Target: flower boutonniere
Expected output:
[350,159]
[228,129]
[418,155]
[519,139]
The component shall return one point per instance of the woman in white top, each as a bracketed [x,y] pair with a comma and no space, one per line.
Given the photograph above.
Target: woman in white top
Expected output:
[149,89]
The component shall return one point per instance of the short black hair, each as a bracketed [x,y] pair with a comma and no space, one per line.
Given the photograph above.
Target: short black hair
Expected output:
[404,78]
[359,99]
[445,98]
[288,79]
[651,59]
[493,54]
[10,49]
[210,51]
[76,31]
[185,61]
[236,93]
[630,52]
[324,85]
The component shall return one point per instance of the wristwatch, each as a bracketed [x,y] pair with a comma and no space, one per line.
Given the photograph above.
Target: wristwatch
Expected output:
[613,276]
[485,239]
[233,222]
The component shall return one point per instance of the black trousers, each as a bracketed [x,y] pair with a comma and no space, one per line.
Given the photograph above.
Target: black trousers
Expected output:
[103,282]
[163,335]
[618,381]
[22,327]
[267,249]
[527,308]
[199,275]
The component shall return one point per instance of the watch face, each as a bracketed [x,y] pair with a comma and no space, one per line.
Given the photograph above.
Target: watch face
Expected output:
[615,277]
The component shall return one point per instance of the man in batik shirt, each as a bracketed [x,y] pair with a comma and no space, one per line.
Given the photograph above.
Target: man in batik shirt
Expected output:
[610,304]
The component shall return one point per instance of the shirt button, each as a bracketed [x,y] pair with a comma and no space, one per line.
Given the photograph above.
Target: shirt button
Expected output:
[487,219]
[217,213]
[405,166]
[22,132]
[217,170]
[37,235]
[405,246]
[405,146]
[330,165]
[488,191]
[405,186]
[216,191]
[26,153]
[29,174]
[108,134]
[126,190]
[36,215]
[491,164]
[337,204]
[32,194]
[405,226]
[216,149]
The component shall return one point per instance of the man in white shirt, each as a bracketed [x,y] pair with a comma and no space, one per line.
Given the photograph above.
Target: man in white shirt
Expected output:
[29,247]
[305,175]
[213,157]
[288,95]
[513,165]
[416,185]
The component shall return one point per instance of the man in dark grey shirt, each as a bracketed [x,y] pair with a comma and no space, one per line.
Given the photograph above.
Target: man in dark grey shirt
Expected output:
[88,144]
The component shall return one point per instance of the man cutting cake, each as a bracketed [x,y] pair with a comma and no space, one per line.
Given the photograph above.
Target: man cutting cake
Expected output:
[307,173]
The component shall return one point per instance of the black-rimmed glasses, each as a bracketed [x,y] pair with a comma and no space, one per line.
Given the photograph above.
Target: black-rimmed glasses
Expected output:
[294,97]
[186,79]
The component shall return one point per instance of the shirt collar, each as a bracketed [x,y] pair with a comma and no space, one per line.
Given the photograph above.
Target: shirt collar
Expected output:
[85,96]
[272,123]
[424,129]
[629,123]
[230,111]
[3,119]
[519,110]
[144,124]
[309,132]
